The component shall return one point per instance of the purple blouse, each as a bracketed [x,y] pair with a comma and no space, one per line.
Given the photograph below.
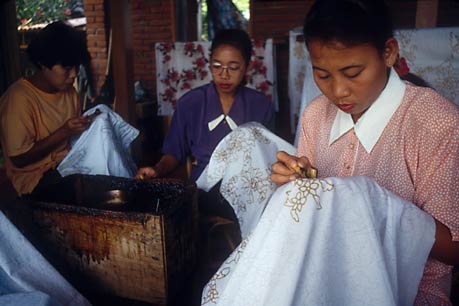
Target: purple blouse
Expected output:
[189,133]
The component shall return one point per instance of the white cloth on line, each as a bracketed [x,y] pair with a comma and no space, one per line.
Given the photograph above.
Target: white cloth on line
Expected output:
[26,277]
[103,148]
[330,241]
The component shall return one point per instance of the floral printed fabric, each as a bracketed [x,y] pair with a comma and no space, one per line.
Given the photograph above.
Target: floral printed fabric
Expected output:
[328,241]
[432,54]
[183,66]
[242,161]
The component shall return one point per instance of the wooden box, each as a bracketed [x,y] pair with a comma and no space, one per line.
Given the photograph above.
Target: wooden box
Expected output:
[144,251]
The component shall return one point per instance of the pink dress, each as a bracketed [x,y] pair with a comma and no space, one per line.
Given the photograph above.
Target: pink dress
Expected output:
[415,155]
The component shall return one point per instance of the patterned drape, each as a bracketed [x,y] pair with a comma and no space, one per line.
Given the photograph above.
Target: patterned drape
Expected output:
[432,54]
[183,66]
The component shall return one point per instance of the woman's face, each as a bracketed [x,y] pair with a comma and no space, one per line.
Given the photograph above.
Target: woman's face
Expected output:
[228,68]
[351,77]
[58,78]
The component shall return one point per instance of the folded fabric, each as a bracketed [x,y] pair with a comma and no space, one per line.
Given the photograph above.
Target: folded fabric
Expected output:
[333,241]
[244,158]
[103,148]
[328,242]
[26,278]
[28,298]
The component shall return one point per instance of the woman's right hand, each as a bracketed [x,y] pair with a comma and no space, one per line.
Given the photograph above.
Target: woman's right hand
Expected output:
[146,173]
[283,170]
[77,125]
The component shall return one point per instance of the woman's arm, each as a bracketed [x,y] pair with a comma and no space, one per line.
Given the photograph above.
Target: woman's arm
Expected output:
[166,165]
[444,249]
[45,146]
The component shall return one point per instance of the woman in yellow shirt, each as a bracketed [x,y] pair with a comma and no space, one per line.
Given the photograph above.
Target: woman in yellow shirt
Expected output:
[39,114]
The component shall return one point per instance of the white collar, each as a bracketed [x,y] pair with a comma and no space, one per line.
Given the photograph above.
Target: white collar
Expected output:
[214,123]
[371,124]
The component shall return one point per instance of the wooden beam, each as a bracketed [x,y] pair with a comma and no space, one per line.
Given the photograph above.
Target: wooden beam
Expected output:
[122,60]
[426,13]
[10,67]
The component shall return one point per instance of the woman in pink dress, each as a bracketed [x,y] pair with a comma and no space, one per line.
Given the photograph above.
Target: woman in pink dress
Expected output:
[369,122]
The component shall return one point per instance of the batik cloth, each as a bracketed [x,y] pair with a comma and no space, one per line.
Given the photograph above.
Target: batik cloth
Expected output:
[408,142]
[103,148]
[329,241]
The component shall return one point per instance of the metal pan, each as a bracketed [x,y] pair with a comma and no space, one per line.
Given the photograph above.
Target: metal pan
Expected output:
[115,197]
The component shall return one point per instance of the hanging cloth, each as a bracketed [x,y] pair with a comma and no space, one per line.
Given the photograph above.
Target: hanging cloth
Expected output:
[223,14]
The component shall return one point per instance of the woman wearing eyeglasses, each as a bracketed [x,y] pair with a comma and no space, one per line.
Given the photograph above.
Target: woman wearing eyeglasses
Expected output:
[202,118]
[208,113]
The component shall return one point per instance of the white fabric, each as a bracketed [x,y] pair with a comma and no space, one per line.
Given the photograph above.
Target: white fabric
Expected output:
[103,148]
[26,278]
[250,146]
[181,66]
[432,54]
[300,90]
[214,123]
[371,124]
[333,241]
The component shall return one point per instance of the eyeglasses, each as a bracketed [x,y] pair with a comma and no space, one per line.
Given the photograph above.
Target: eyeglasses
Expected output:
[230,69]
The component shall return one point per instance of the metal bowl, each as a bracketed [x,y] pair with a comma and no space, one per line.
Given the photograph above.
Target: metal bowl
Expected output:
[116,197]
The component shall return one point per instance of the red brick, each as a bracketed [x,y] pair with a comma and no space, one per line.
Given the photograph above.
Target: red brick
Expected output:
[88,7]
[86,2]
[89,13]
[91,43]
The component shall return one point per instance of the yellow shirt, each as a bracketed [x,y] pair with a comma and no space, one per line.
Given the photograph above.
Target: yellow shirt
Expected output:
[28,115]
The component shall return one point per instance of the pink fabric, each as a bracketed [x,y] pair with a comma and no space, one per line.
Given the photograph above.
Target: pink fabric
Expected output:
[416,157]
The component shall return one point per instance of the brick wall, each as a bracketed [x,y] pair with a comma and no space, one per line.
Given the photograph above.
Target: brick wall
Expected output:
[97,39]
[152,21]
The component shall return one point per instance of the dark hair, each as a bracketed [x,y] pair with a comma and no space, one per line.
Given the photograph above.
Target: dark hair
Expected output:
[58,43]
[349,22]
[237,38]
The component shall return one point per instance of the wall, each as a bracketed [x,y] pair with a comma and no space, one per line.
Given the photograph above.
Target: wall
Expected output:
[151,20]
[97,39]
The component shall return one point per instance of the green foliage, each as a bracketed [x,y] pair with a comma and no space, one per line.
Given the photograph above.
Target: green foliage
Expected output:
[38,11]
[243,6]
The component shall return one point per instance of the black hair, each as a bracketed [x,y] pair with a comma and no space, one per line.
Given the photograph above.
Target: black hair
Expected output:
[349,22]
[58,43]
[236,38]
